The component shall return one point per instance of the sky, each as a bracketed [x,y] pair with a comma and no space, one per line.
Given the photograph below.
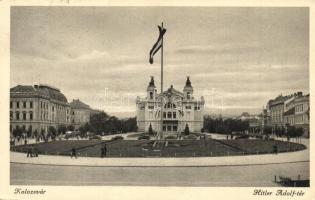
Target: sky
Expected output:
[237,58]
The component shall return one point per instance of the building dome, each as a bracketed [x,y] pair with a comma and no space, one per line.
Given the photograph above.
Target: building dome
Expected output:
[151,85]
[188,86]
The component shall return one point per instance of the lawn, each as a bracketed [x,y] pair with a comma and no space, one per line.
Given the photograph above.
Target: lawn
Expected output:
[175,148]
[262,146]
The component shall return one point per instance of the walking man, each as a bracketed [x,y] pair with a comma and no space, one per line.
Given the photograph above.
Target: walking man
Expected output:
[105,150]
[73,153]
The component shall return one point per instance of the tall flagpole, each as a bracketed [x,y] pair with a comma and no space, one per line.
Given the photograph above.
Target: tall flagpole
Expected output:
[162,99]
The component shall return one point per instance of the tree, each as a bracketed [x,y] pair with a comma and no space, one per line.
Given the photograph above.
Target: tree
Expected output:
[36,135]
[267,130]
[299,132]
[84,129]
[29,132]
[61,129]
[291,131]
[202,130]
[17,132]
[186,131]
[150,130]
[70,128]
[52,132]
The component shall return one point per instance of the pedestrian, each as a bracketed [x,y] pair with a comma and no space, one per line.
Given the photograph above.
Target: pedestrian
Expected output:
[35,152]
[105,150]
[25,141]
[73,153]
[102,152]
[29,152]
[275,149]
[32,151]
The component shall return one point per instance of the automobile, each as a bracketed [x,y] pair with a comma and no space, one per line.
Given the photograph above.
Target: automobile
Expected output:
[117,138]
[95,137]
[242,137]
[144,137]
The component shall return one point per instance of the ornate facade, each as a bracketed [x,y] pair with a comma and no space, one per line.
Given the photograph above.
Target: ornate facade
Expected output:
[179,109]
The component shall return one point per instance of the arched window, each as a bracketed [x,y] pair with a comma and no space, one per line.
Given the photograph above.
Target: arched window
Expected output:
[151,95]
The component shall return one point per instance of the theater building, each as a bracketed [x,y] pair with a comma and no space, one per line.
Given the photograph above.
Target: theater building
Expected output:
[179,109]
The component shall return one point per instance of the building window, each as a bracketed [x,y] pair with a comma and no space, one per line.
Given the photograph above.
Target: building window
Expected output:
[169,128]
[31,104]
[11,115]
[188,95]
[31,115]
[17,115]
[151,107]
[151,95]
[174,115]
[11,104]
[30,128]
[18,104]
[24,115]
[175,128]
[188,107]
[169,115]
[164,128]
[197,107]
[164,115]
[24,104]
[53,108]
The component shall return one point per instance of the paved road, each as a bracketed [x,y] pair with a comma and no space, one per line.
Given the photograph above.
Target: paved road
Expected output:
[254,175]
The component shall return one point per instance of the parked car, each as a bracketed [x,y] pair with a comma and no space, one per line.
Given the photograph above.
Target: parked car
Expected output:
[95,137]
[144,137]
[242,137]
[117,138]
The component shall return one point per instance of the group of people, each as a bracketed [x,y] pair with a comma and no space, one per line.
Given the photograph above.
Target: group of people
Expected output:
[32,151]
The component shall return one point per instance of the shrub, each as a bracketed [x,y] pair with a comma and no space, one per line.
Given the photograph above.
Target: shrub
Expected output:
[150,130]
[186,131]
[191,137]
[171,137]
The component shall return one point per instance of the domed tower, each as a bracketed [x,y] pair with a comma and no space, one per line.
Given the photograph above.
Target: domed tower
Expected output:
[151,89]
[188,90]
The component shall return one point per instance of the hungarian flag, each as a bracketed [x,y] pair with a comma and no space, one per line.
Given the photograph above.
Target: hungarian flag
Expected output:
[158,44]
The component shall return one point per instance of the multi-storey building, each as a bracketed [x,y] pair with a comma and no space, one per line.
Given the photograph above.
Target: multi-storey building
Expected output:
[37,108]
[298,112]
[290,110]
[179,109]
[80,113]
